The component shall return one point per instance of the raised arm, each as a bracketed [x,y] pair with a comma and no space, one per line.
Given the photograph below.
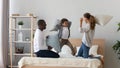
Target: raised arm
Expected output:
[85,28]
[81,20]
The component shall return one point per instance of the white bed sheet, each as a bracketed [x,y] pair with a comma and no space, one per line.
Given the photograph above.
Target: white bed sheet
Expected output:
[66,62]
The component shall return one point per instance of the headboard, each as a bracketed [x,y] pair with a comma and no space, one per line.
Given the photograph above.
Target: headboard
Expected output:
[99,42]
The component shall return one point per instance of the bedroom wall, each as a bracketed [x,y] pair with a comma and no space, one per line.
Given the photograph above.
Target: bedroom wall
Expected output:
[50,10]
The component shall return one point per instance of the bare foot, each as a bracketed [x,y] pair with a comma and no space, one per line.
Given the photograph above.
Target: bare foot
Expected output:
[102,59]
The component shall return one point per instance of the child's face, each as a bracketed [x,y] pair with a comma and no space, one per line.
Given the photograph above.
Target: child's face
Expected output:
[65,24]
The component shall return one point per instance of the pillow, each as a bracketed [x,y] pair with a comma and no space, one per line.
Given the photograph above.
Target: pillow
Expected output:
[66,51]
[53,40]
[57,25]
[77,50]
[53,50]
[103,19]
[93,50]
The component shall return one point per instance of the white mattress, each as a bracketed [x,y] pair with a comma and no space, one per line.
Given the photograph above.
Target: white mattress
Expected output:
[70,62]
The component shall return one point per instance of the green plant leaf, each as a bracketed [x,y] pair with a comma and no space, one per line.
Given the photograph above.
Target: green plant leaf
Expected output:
[118,29]
[20,23]
[119,58]
[119,24]
[116,47]
[119,51]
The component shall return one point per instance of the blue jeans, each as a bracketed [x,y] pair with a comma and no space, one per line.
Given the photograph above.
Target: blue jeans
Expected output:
[83,51]
[47,54]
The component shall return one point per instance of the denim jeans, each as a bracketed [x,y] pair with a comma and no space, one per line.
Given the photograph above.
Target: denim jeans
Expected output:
[47,54]
[83,51]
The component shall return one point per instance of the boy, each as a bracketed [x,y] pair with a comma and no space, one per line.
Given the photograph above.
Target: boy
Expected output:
[64,34]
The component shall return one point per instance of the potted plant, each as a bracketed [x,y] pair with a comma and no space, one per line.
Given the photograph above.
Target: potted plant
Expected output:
[20,23]
[116,46]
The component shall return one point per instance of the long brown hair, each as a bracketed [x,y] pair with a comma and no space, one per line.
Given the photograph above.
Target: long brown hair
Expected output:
[91,19]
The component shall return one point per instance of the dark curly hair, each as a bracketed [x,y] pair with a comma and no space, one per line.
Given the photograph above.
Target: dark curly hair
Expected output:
[63,20]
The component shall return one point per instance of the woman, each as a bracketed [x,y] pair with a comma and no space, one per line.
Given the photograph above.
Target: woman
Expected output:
[88,33]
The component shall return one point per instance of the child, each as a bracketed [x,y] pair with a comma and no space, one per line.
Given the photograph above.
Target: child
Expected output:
[88,30]
[64,34]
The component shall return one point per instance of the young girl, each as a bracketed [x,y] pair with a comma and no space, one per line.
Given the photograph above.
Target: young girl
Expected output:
[88,30]
[64,34]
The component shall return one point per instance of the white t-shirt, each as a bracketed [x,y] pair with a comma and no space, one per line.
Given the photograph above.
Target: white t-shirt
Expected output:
[65,33]
[88,35]
[39,41]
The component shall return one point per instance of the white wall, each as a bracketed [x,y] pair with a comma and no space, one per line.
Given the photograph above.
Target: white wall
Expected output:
[50,10]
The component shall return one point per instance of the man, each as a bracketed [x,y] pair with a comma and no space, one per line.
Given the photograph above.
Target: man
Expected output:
[40,48]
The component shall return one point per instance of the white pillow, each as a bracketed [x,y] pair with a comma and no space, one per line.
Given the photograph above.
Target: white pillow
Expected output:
[53,50]
[103,19]
[57,25]
[93,50]
[66,49]
[77,50]
[66,52]
[53,40]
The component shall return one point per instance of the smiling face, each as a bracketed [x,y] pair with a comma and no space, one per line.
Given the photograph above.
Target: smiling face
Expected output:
[86,17]
[42,25]
[65,24]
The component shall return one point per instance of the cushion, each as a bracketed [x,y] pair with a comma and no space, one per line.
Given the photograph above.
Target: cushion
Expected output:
[78,47]
[57,25]
[103,19]
[53,40]
[53,50]
[93,50]
[66,51]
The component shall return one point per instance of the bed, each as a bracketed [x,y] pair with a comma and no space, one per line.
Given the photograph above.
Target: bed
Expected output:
[74,62]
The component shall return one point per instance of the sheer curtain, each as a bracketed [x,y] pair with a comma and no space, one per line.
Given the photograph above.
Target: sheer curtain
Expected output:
[1,60]
[4,10]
